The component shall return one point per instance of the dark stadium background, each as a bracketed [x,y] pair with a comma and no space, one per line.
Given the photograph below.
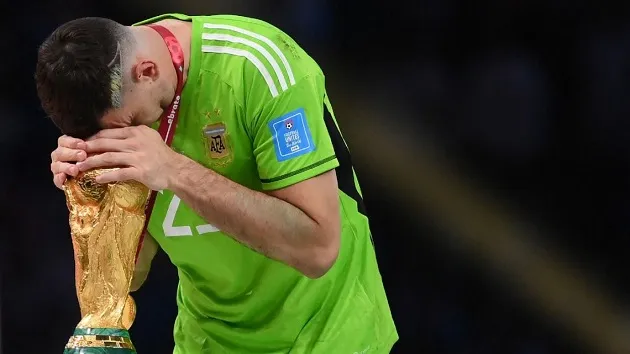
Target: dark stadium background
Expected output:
[491,138]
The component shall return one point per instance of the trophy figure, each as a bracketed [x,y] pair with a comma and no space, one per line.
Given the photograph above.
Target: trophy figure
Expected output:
[106,222]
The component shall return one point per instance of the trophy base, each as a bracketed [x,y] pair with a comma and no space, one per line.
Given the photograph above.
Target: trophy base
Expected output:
[100,341]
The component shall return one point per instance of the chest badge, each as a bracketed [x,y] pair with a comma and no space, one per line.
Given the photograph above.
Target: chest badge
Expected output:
[217,143]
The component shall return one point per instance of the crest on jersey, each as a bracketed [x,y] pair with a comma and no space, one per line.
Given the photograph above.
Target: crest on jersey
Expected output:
[217,143]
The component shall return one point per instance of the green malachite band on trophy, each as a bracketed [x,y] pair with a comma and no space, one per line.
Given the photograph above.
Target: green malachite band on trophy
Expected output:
[102,332]
[99,351]
[100,341]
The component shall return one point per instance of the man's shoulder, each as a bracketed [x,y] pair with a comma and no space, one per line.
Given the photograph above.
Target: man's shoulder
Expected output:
[251,54]
[259,38]
[248,23]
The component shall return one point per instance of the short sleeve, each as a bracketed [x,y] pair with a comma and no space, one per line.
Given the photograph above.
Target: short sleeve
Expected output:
[290,140]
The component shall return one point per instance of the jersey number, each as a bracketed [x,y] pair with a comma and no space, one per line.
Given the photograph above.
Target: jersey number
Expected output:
[170,230]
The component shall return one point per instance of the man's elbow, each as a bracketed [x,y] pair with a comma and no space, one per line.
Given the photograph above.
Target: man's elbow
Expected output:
[321,259]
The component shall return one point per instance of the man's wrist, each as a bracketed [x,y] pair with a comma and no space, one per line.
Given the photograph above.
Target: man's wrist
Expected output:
[183,171]
[177,166]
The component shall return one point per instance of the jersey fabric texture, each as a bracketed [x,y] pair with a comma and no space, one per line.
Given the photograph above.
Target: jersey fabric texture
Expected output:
[255,110]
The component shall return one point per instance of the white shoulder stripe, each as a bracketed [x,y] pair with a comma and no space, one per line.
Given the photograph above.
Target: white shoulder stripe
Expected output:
[262,38]
[251,57]
[258,47]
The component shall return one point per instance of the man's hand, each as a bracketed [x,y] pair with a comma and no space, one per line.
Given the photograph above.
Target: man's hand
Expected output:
[139,152]
[68,150]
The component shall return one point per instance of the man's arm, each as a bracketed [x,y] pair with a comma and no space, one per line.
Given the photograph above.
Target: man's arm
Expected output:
[296,221]
[298,225]
[143,265]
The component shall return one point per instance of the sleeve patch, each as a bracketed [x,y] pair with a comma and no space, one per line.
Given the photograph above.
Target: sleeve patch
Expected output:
[291,135]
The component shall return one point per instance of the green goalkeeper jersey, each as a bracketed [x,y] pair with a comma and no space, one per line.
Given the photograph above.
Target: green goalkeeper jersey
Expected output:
[255,110]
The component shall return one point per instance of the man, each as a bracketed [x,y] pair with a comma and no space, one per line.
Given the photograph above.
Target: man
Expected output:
[258,205]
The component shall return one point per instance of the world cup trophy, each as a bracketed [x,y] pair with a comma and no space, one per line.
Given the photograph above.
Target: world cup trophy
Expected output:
[106,222]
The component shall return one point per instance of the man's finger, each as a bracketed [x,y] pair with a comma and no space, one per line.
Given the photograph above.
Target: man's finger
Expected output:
[98,145]
[65,154]
[119,175]
[115,133]
[70,142]
[107,159]
[65,168]
[59,179]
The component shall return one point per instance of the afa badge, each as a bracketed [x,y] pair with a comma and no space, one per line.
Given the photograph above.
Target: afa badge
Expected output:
[291,135]
[217,143]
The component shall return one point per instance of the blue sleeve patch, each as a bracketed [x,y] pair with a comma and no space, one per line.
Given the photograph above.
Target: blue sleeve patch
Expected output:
[291,135]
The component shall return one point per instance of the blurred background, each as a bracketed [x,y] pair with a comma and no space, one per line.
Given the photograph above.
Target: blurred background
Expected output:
[491,138]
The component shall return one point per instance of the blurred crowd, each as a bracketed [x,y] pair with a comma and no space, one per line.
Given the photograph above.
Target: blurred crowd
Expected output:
[526,100]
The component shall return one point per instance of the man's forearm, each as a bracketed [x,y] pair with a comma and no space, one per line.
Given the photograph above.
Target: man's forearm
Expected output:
[266,224]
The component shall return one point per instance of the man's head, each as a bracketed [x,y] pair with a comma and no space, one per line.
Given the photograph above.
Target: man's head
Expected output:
[92,73]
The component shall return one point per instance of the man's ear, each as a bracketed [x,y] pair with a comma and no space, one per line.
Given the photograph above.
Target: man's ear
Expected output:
[145,70]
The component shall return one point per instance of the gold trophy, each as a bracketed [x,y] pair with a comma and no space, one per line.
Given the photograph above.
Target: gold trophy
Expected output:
[106,222]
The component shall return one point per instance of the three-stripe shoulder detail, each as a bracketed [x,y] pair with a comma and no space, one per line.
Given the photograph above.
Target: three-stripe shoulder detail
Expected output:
[253,52]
